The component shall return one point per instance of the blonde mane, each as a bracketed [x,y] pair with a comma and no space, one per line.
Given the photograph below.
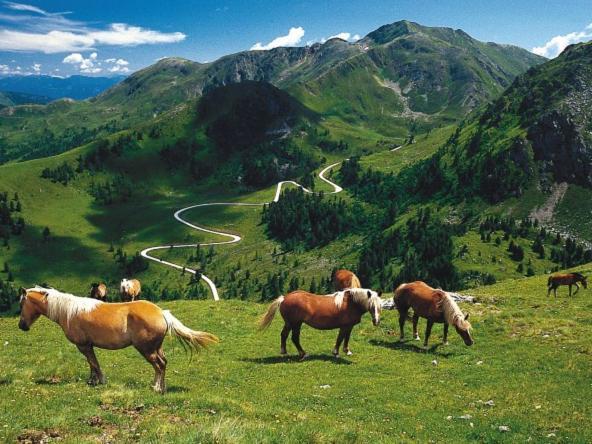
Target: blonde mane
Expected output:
[359,296]
[64,306]
[452,312]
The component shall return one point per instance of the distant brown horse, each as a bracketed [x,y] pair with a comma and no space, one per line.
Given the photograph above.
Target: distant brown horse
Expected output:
[130,290]
[98,291]
[343,279]
[341,310]
[555,280]
[434,305]
[90,323]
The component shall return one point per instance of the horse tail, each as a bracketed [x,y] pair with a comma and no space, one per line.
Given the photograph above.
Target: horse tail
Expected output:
[193,339]
[355,282]
[266,319]
[398,293]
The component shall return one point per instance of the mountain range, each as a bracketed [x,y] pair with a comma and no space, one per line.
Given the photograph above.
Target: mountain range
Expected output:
[401,78]
[74,87]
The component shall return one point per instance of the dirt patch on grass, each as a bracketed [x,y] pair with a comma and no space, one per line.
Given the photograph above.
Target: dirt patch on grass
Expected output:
[38,436]
[544,214]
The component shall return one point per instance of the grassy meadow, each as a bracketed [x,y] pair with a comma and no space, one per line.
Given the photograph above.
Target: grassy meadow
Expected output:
[527,378]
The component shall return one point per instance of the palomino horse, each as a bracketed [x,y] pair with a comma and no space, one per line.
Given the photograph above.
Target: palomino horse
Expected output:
[435,306]
[343,279]
[570,279]
[341,310]
[130,290]
[98,291]
[90,323]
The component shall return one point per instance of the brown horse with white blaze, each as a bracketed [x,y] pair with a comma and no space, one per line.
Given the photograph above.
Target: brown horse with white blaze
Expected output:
[433,304]
[570,279]
[130,290]
[343,279]
[342,310]
[90,323]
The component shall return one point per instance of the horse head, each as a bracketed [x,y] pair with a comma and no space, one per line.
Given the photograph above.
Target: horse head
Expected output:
[33,304]
[374,306]
[463,328]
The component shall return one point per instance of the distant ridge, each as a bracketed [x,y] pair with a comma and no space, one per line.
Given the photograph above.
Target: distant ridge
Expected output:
[74,87]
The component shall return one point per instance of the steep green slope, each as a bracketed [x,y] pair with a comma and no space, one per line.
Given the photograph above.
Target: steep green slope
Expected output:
[537,131]
[399,79]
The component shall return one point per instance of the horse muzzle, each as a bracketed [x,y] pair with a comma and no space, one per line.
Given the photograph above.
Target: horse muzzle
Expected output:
[23,325]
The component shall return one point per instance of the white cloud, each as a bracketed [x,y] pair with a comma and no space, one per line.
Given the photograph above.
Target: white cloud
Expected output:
[293,37]
[36,67]
[343,36]
[16,71]
[47,32]
[557,44]
[119,65]
[24,7]
[84,65]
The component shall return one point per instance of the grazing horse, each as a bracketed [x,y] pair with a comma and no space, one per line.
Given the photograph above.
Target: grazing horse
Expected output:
[570,279]
[341,310]
[98,291]
[90,323]
[130,290]
[343,279]
[435,306]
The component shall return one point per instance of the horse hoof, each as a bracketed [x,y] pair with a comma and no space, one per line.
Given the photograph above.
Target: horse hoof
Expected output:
[445,343]
[417,338]
[349,353]
[283,352]
[303,357]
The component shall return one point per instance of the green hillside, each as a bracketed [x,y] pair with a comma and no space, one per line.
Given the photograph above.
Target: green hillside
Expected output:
[401,78]
[528,374]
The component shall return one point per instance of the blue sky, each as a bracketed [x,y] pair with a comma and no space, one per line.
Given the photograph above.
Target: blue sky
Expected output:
[64,37]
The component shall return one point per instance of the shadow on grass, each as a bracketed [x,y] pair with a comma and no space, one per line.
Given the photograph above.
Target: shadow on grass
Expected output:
[176,389]
[296,360]
[410,346]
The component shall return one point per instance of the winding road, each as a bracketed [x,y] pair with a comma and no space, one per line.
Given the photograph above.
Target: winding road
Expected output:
[232,238]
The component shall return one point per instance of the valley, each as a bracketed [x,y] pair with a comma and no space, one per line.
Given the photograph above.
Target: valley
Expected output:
[411,153]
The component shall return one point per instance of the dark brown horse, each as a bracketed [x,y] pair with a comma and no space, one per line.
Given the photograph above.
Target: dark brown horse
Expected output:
[434,305]
[343,279]
[98,291]
[341,310]
[555,280]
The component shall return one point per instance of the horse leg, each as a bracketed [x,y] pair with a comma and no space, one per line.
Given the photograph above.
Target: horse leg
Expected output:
[163,364]
[402,318]
[340,337]
[428,332]
[346,349]
[555,292]
[577,288]
[284,337]
[570,290]
[445,333]
[159,365]
[549,288]
[415,321]
[96,376]
[296,340]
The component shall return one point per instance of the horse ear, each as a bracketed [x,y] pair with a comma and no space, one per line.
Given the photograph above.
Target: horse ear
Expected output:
[22,291]
[379,293]
[369,294]
[466,317]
